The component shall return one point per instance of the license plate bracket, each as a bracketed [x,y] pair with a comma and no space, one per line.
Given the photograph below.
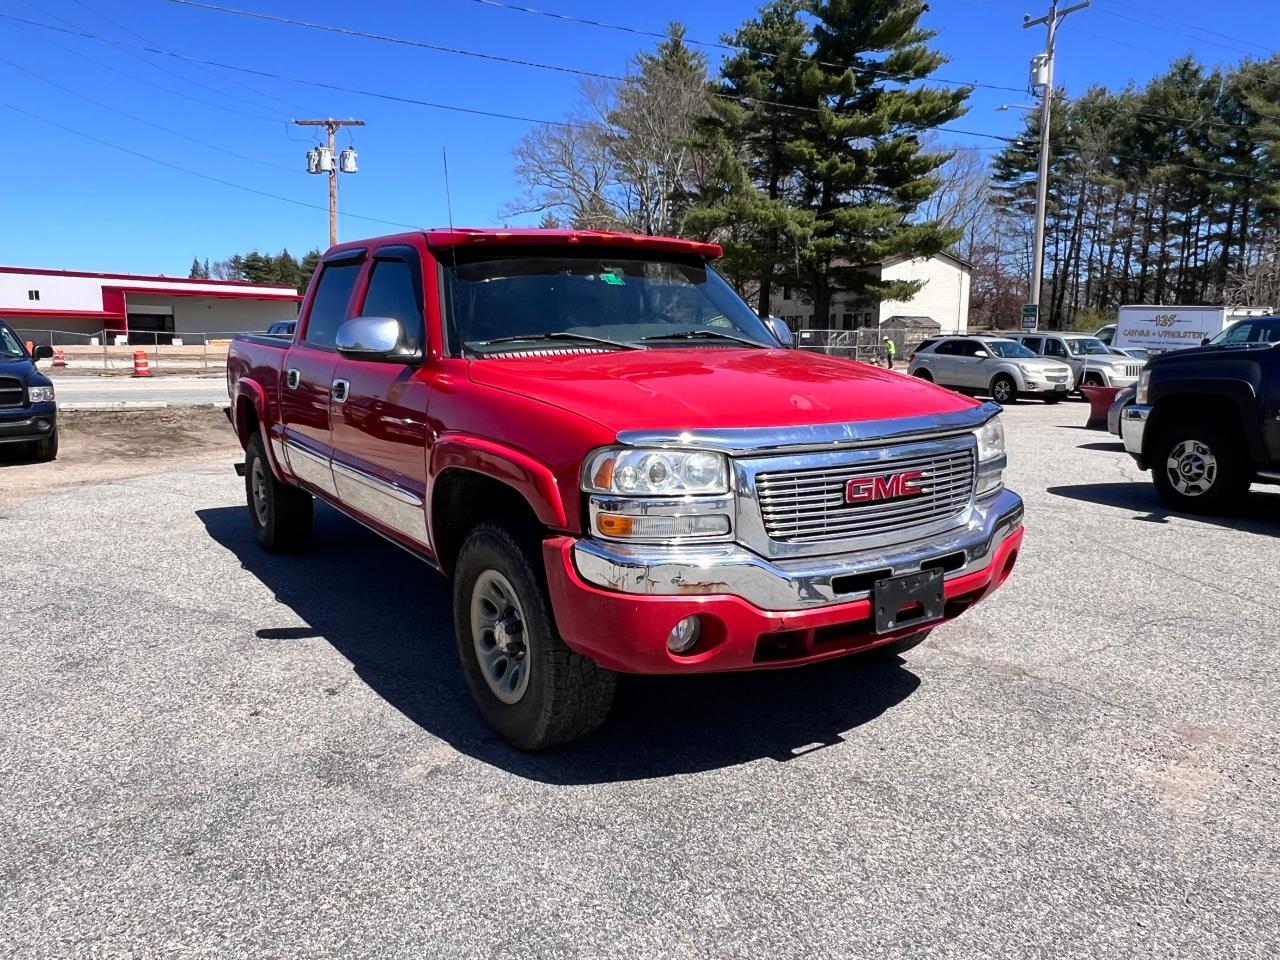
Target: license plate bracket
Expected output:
[907,601]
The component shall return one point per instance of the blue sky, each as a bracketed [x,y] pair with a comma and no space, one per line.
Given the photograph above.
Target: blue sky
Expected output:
[74,203]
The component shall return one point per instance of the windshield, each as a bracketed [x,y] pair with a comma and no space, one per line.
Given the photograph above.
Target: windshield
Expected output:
[10,348]
[1081,346]
[1248,331]
[594,299]
[1007,348]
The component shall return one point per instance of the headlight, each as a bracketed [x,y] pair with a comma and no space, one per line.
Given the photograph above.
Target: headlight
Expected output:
[1144,387]
[991,456]
[1027,370]
[40,394]
[656,473]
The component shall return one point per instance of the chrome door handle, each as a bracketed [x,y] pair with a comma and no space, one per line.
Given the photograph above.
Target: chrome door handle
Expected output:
[340,391]
[292,378]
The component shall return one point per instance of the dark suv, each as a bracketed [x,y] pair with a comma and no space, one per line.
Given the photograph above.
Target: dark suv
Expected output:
[28,413]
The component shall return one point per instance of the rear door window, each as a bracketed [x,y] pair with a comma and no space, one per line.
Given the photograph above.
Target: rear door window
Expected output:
[1034,344]
[1055,348]
[332,298]
[948,348]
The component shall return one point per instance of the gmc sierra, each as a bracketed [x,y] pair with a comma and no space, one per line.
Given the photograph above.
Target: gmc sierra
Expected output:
[618,464]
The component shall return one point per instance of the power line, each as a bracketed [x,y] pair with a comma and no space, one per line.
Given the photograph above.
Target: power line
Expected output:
[150,123]
[124,73]
[387,38]
[413,100]
[134,33]
[287,79]
[144,60]
[1162,18]
[195,173]
[735,48]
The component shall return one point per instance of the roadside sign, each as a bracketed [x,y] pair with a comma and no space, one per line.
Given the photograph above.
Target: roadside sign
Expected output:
[1030,316]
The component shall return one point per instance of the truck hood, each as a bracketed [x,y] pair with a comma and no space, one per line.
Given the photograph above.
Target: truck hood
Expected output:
[20,368]
[708,387]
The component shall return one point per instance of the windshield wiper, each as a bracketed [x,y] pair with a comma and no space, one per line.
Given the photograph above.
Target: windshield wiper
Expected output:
[621,345]
[703,335]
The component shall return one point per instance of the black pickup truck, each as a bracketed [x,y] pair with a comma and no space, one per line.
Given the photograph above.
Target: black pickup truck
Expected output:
[1206,422]
[28,412]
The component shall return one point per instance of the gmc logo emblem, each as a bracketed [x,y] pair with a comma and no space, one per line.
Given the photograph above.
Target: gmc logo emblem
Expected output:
[891,487]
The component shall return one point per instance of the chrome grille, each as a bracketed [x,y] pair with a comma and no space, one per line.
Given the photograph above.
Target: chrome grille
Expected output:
[1133,370]
[11,393]
[809,505]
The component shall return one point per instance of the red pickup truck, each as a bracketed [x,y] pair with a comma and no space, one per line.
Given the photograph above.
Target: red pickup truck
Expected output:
[618,464]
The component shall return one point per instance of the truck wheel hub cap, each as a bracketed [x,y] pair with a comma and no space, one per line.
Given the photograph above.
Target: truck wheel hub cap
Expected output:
[497,630]
[1192,468]
[259,486]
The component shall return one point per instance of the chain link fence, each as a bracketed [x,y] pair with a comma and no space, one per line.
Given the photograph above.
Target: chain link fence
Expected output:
[865,344]
[109,351]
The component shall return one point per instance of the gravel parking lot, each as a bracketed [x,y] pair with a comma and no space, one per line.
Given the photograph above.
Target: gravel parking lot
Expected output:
[207,751]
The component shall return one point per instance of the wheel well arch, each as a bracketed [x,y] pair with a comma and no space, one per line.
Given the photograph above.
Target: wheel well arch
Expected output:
[1185,407]
[247,420]
[461,499]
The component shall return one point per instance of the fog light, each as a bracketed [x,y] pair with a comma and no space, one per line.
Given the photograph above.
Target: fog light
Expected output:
[684,635]
[42,425]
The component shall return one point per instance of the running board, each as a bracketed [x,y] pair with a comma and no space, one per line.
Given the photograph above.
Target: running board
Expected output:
[1269,476]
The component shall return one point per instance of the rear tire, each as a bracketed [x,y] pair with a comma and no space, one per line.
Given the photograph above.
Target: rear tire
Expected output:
[924,375]
[531,689]
[1004,390]
[280,515]
[1197,467]
[43,451]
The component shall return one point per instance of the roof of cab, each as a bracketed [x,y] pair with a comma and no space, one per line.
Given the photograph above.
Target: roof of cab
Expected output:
[465,236]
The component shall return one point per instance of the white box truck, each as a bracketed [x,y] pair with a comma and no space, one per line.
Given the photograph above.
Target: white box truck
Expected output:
[1159,329]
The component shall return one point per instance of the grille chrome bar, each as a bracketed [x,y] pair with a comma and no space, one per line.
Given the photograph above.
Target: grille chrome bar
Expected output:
[808,505]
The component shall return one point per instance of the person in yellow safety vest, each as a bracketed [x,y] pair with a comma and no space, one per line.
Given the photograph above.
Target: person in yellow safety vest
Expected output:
[889,351]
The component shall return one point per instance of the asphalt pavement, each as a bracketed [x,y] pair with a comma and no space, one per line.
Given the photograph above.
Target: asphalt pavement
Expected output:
[206,751]
[115,393]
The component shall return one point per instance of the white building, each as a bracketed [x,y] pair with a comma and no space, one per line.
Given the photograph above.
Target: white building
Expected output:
[944,298]
[113,305]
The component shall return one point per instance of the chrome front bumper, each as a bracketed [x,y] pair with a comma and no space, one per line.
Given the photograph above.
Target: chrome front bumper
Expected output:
[794,584]
[1133,429]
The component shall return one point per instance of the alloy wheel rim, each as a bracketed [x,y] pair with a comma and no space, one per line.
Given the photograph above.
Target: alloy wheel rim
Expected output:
[1001,390]
[1192,468]
[498,634]
[258,486]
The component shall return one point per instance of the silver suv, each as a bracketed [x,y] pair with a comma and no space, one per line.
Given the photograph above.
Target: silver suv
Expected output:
[995,365]
[1091,360]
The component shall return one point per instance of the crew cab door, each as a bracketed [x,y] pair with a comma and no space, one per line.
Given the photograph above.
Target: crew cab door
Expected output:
[306,389]
[379,408]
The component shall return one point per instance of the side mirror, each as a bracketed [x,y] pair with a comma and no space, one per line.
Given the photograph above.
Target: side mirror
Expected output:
[981,354]
[42,352]
[1204,342]
[380,339]
[781,332]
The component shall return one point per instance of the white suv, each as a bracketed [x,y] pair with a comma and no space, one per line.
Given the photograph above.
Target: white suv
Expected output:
[995,365]
[1091,360]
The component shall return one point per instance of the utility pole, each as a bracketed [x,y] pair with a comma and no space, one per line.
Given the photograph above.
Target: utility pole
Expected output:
[1042,75]
[323,160]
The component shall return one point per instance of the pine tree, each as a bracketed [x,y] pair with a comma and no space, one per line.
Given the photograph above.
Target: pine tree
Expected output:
[860,159]
[198,272]
[755,111]
[256,268]
[308,267]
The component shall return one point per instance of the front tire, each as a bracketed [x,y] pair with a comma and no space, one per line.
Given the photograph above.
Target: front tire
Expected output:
[1004,390]
[45,450]
[279,514]
[1197,467]
[531,689]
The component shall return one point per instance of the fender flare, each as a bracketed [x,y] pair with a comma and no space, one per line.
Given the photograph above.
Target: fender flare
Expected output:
[529,477]
[251,392]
